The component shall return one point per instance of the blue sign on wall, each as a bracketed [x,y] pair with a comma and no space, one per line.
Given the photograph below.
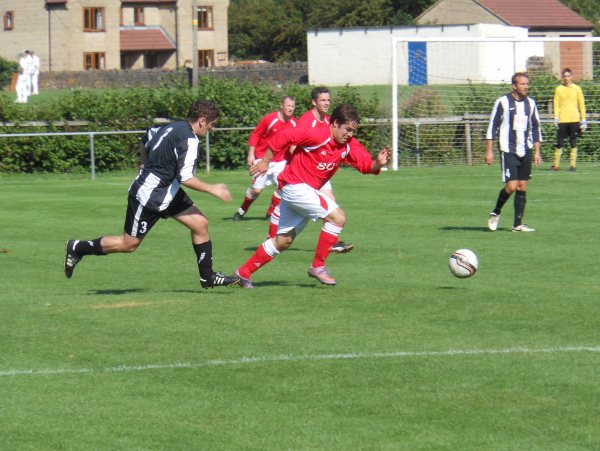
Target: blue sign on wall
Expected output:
[417,63]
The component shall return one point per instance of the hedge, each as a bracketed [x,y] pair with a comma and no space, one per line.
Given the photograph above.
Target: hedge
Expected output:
[242,105]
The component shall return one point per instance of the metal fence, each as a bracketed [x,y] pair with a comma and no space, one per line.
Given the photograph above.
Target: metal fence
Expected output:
[415,153]
[92,135]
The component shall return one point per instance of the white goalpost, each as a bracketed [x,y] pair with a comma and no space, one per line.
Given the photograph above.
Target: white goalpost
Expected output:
[443,90]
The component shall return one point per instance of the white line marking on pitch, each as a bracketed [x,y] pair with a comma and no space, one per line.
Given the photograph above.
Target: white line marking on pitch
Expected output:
[299,358]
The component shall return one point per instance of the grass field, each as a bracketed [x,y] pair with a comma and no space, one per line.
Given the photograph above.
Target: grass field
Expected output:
[131,354]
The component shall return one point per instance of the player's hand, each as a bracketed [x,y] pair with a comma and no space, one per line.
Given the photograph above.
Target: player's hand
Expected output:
[384,156]
[259,168]
[489,157]
[537,158]
[556,122]
[583,126]
[221,191]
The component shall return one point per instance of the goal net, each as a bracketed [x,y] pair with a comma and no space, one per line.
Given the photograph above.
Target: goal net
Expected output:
[443,91]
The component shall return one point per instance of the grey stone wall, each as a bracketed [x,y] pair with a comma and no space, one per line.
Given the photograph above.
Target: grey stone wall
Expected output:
[270,73]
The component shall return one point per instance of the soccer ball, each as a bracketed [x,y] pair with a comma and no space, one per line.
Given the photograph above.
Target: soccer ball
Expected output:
[463,263]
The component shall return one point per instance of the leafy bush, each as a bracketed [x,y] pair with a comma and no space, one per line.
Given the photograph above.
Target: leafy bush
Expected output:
[241,104]
[7,69]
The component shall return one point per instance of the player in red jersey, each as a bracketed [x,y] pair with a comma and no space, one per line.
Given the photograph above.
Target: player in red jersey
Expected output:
[269,125]
[317,118]
[318,156]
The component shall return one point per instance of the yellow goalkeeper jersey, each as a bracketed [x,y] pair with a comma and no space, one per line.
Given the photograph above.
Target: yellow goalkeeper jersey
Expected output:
[569,105]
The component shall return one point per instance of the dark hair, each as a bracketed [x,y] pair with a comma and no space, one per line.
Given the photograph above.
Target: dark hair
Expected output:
[566,69]
[513,80]
[344,113]
[203,108]
[316,92]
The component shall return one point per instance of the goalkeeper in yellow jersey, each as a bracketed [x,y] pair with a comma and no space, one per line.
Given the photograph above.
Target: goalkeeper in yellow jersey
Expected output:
[569,118]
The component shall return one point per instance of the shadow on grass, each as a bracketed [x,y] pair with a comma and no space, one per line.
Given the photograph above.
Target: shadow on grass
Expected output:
[275,283]
[248,218]
[119,292]
[200,290]
[291,249]
[473,229]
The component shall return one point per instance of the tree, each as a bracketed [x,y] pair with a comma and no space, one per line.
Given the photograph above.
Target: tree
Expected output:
[588,9]
[275,30]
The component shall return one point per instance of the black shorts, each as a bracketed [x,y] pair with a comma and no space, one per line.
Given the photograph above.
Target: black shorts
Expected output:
[139,220]
[567,129]
[514,167]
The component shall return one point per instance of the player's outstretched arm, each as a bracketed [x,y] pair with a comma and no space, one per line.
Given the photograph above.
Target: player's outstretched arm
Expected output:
[382,159]
[219,190]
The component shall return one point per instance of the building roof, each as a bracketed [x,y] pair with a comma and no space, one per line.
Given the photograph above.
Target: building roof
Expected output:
[137,39]
[536,14]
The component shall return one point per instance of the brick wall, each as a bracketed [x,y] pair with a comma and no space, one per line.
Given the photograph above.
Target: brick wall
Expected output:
[271,73]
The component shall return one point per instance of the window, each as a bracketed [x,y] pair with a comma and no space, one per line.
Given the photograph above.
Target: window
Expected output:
[8,21]
[206,58]
[138,15]
[205,18]
[93,19]
[94,60]
[150,60]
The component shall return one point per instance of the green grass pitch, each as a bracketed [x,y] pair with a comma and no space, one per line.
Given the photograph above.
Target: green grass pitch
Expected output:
[131,353]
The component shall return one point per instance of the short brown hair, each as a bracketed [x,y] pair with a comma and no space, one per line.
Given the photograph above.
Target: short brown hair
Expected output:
[316,92]
[345,113]
[203,108]
[513,80]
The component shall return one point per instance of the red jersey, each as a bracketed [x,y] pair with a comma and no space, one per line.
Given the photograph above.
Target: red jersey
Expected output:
[267,127]
[308,120]
[317,157]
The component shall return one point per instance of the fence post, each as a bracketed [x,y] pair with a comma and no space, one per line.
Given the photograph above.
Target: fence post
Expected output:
[468,140]
[207,139]
[417,143]
[92,157]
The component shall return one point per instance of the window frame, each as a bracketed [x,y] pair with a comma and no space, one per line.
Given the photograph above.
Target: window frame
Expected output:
[138,11]
[205,16]
[90,14]
[206,56]
[9,21]
[96,59]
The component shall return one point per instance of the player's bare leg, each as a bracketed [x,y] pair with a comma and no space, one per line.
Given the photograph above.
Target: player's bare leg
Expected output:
[339,247]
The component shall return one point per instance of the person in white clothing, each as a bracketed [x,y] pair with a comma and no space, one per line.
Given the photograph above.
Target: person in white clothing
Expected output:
[35,74]
[22,87]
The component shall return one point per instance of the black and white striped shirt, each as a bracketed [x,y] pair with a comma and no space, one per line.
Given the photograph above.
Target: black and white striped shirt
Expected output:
[172,156]
[516,123]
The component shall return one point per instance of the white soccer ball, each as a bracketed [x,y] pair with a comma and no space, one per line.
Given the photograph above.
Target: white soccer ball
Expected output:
[463,263]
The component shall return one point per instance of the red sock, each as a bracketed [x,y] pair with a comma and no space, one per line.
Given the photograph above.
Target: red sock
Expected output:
[326,241]
[274,223]
[246,204]
[275,200]
[258,260]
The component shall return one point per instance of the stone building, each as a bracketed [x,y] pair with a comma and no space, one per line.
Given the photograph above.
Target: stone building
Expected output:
[75,35]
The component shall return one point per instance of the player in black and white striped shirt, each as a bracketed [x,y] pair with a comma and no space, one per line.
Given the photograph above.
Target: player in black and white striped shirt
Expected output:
[169,157]
[516,123]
